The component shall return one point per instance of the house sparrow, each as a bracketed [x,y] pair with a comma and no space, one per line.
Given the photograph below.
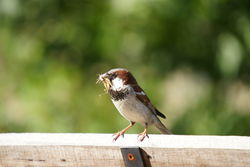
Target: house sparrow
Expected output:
[131,101]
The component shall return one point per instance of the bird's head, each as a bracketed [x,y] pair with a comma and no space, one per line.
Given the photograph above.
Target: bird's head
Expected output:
[116,79]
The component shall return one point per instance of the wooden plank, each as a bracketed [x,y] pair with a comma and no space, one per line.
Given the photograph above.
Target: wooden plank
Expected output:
[36,149]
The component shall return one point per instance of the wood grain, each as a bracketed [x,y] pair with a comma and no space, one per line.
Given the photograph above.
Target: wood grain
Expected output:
[73,150]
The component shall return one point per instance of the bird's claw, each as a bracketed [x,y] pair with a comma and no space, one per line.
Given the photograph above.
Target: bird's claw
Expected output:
[117,135]
[141,136]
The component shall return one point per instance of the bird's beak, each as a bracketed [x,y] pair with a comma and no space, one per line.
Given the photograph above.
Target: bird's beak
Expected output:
[105,80]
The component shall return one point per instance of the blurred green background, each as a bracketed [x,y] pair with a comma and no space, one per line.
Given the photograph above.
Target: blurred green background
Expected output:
[192,58]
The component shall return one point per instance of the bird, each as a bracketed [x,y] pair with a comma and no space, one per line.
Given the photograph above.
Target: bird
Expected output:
[131,101]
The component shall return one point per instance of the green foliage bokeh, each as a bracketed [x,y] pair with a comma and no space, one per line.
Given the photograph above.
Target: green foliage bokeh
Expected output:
[191,57]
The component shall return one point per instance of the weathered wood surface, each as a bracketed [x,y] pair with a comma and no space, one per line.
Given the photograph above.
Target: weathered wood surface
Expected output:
[73,150]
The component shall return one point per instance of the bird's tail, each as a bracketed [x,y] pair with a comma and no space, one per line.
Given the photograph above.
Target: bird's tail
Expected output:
[162,127]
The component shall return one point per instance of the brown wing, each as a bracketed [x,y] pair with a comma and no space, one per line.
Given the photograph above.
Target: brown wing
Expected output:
[142,97]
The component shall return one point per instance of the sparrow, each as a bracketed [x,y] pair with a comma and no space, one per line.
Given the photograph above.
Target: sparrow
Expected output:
[131,101]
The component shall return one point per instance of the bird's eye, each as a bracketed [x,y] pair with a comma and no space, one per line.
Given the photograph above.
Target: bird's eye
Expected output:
[112,76]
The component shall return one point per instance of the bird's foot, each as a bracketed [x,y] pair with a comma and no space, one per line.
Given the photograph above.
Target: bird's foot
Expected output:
[142,135]
[117,135]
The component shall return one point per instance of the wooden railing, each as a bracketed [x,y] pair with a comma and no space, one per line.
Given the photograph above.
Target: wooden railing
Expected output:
[73,150]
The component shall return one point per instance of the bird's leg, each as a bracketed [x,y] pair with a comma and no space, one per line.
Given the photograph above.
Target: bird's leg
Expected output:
[142,135]
[121,133]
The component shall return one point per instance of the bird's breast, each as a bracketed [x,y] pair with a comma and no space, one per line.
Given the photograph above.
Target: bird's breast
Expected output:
[133,110]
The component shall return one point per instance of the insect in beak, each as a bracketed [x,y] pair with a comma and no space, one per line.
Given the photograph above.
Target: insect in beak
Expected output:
[106,82]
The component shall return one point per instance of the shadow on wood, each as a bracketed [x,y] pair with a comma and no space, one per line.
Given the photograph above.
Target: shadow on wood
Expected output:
[146,158]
